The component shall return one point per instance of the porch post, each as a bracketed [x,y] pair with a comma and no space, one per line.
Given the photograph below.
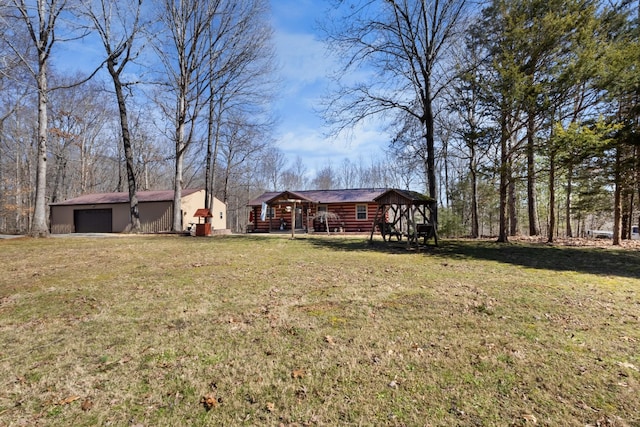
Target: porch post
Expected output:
[293,221]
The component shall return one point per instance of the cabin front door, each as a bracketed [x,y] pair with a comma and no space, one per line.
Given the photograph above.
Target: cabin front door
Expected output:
[299,223]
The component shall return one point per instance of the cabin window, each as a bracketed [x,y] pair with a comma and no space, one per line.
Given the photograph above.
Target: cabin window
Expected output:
[270,213]
[361,211]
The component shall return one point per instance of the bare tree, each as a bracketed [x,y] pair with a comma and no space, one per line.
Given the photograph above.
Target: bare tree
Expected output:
[325,179]
[240,71]
[294,177]
[404,43]
[78,119]
[348,174]
[41,22]
[473,132]
[273,166]
[210,56]
[152,164]
[185,53]
[119,25]
[243,153]
[15,101]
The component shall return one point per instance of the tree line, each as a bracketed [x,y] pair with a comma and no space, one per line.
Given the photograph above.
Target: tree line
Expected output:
[518,116]
[523,113]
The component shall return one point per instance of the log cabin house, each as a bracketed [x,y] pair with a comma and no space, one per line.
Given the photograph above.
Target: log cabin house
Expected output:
[343,211]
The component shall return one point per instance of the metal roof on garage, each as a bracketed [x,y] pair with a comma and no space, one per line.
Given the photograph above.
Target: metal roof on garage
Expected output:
[123,197]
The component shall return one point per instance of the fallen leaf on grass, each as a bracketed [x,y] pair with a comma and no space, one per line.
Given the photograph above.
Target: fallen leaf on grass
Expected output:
[417,348]
[586,407]
[68,400]
[606,421]
[628,365]
[209,401]
[86,405]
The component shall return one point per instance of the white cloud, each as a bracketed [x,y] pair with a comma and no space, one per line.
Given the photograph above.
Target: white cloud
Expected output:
[305,64]
[316,150]
[303,61]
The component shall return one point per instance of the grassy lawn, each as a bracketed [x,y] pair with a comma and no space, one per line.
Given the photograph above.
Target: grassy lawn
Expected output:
[257,330]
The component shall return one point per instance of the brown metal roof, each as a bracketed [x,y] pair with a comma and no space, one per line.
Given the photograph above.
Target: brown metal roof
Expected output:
[395,196]
[289,195]
[202,213]
[123,197]
[357,195]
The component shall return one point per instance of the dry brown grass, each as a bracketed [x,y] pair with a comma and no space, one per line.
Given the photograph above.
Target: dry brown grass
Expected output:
[257,330]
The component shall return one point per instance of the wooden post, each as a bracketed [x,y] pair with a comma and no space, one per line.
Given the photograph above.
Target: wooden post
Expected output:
[375,221]
[293,221]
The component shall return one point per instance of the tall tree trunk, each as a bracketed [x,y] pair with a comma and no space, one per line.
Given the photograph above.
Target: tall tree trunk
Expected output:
[177,189]
[431,152]
[181,113]
[39,226]
[445,162]
[119,187]
[213,145]
[134,214]
[567,205]
[513,210]
[617,200]
[627,212]
[83,167]
[208,184]
[475,229]
[552,196]
[504,181]
[58,183]
[19,189]
[534,227]
[637,163]
[511,189]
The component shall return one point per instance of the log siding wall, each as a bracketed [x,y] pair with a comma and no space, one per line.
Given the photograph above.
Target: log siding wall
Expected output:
[347,220]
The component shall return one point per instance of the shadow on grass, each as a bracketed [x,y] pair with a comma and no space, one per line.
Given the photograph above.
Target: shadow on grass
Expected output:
[608,262]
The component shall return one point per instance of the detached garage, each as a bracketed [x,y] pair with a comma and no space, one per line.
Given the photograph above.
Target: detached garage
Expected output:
[109,212]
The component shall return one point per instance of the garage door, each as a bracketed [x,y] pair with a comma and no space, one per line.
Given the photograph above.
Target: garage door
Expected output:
[92,220]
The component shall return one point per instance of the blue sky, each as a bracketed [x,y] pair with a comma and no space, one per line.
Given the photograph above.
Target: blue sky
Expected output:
[304,65]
